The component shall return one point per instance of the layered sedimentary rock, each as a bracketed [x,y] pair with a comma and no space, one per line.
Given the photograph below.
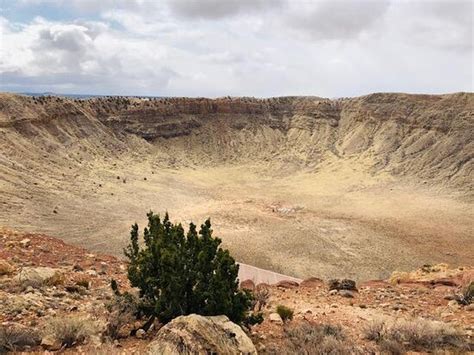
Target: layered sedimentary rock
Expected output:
[425,136]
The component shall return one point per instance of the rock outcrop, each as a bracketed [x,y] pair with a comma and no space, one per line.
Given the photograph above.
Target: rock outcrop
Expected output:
[434,131]
[195,334]
[38,276]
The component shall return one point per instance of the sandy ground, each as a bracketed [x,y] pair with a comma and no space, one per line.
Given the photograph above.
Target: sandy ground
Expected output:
[337,222]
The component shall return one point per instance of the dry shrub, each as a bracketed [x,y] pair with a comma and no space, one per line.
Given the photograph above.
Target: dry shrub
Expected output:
[467,294]
[13,338]
[69,331]
[123,311]
[391,347]
[83,281]
[285,313]
[261,295]
[57,279]
[309,338]
[375,330]
[414,334]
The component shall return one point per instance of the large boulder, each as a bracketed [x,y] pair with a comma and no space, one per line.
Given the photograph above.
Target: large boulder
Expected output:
[38,276]
[195,334]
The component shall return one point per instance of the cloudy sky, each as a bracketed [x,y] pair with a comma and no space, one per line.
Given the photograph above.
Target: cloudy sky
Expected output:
[328,48]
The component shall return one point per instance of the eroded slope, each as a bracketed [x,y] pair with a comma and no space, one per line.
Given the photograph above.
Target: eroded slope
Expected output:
[302,185]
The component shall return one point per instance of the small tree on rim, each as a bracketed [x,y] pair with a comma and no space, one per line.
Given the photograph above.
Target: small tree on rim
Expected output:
[180,274]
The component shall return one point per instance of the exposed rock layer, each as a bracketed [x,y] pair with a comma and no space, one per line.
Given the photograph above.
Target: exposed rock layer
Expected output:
[426,136]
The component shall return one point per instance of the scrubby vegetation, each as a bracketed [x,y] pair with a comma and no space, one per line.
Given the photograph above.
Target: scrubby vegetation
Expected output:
[70,330]
[285,313]
[261,296]
[123,309]
[414,334]
[17,338]
[179,274]
[467,295]
[310,338]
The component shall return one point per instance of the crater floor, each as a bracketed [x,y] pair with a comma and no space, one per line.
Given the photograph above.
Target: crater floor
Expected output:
[338,222]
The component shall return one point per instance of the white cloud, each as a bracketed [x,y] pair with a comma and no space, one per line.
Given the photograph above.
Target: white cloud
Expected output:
[258,48]
[336,19]
[217,9]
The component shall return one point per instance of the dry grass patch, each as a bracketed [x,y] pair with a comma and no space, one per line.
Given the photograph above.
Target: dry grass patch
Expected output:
[14,338]
[69,331]
[83,281]
[123,310]
[56,280]
[261,296]
[309,338]
[414,334]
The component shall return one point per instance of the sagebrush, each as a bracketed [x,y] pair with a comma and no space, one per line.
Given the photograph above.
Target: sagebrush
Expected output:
[414,334]
[70,331]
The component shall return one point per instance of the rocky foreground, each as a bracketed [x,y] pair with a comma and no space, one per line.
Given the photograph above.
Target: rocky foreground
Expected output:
[54,296]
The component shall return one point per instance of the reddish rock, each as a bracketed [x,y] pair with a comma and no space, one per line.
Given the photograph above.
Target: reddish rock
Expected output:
[247,285]
[287,284]
[446,282]
[312,282]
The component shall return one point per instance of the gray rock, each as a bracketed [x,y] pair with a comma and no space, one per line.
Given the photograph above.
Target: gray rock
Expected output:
[51,343]
[140,334]
[195,334]
[275,318]
[346,293]
[36,276]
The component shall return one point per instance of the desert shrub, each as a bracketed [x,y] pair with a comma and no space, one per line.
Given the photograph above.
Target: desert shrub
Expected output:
[69,331]
[83,282]
[285,313]
[261,296]
[179,274]
[391,347]
[467,295]
[57,279]
[123,309]
[310,338]
[313,333]
[13,338]
[375,330]
[414,334]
